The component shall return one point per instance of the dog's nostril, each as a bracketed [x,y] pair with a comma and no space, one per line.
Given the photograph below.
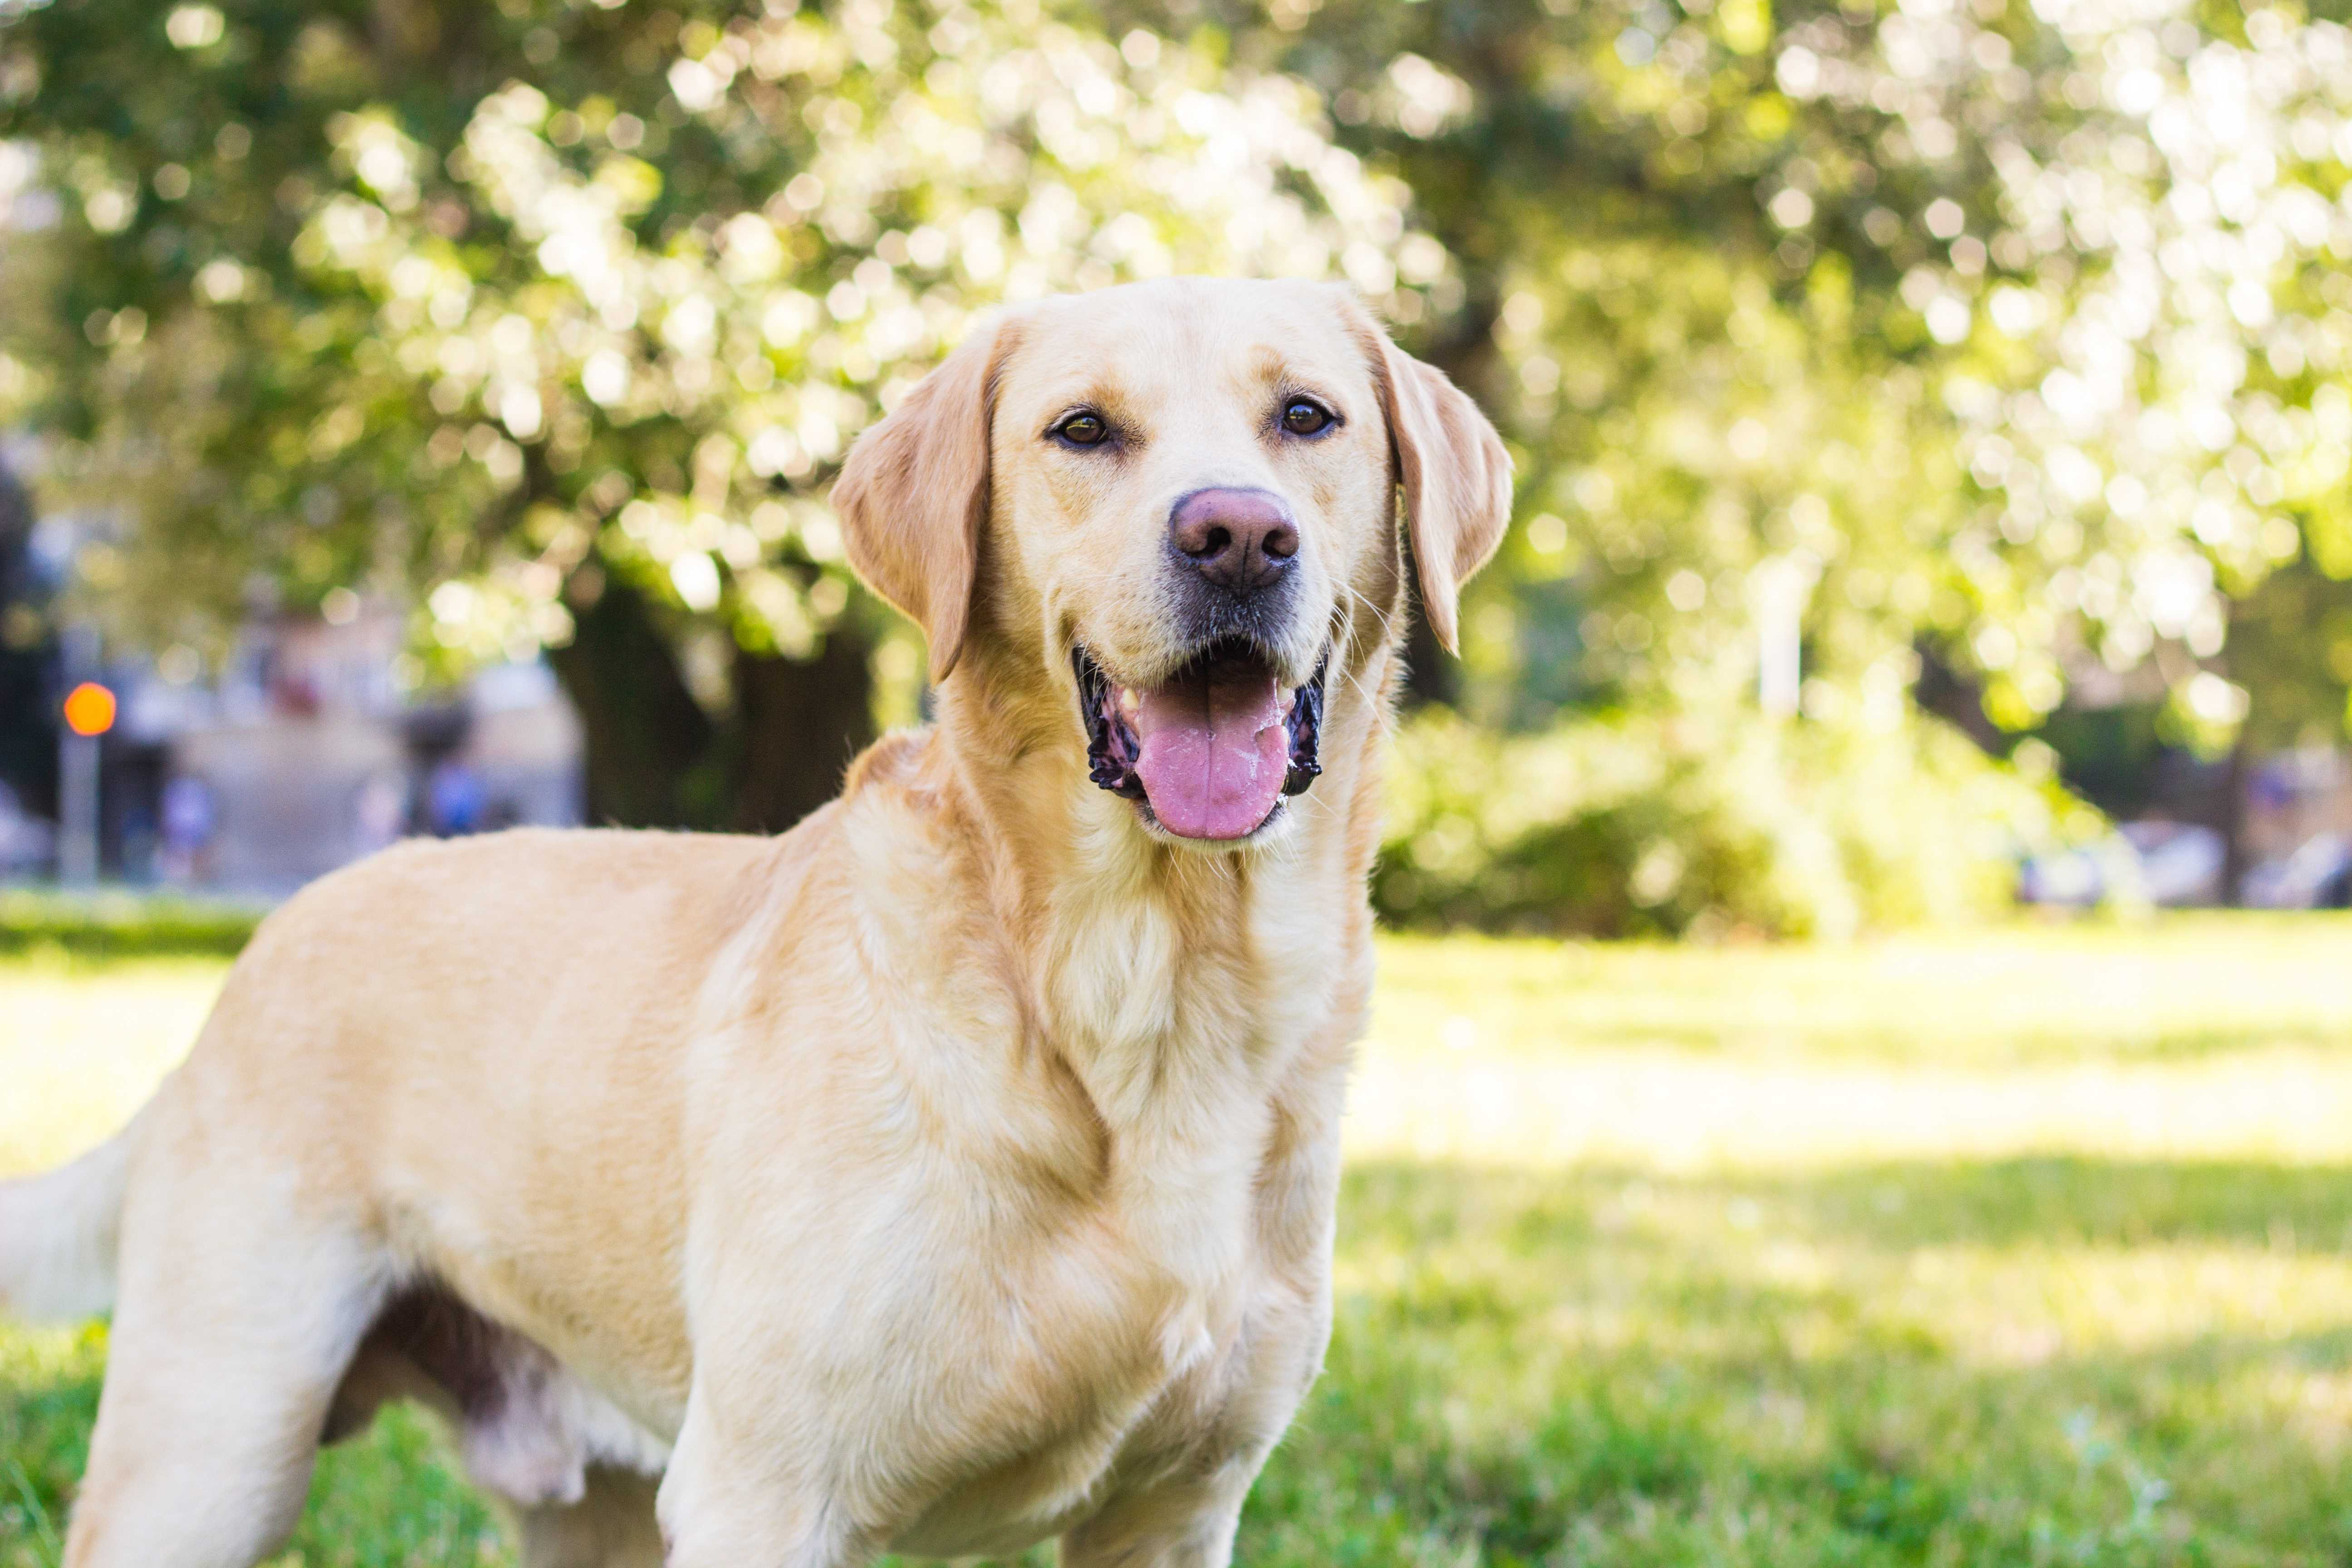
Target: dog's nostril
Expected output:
[1241,540]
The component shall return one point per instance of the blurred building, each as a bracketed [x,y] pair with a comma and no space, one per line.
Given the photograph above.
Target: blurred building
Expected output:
[304,751]
[2291,813]
[299,751]
[2298,830]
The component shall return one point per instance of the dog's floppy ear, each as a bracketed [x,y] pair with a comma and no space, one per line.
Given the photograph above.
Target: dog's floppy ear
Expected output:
[1455,473]
[914,493]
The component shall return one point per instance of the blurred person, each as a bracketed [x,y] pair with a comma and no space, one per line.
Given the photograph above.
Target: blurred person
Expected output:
[27,842]
[456,795]
[190,818]
[380,814]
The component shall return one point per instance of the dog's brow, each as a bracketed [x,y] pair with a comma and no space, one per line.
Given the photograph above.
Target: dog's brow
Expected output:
[1099,392]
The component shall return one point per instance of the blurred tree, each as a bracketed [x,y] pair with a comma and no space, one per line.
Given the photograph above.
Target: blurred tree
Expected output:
[555,319]
[2291,646]
[1953,338]
[28,735]
[2021,331]
[2007,344]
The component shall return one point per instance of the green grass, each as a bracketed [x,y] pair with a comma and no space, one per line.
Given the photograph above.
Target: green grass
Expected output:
[2032,1246]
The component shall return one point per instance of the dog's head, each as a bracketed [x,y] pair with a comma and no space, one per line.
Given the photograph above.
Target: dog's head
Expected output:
[1175,503]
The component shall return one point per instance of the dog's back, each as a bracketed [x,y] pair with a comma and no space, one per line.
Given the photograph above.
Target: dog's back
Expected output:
[496,984]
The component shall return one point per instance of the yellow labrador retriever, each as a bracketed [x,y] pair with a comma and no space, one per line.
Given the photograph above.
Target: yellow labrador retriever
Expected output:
[953,1172]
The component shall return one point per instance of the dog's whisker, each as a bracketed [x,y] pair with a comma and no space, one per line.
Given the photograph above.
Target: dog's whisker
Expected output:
[1386,618]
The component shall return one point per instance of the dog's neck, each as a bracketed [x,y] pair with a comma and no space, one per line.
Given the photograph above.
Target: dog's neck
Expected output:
[1195,1005]
[1151,966]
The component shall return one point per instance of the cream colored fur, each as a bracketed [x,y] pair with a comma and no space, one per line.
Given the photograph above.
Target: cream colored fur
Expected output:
[58,1234]
[954,1171]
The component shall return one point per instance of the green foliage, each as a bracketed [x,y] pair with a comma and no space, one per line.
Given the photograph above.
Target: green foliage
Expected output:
[2021,331]
[550,322]
[490,307]
[2015,335]
[1707,821]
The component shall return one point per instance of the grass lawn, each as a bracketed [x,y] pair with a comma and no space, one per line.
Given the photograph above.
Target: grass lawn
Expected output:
[2032,1246]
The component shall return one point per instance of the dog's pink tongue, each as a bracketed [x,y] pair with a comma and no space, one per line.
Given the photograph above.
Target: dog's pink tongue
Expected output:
[1215,752]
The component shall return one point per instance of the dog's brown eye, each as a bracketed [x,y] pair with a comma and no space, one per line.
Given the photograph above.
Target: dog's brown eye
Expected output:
[1305,418]
[1082,429]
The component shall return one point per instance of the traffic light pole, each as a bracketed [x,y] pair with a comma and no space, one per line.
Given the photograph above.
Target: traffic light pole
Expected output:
[78,771]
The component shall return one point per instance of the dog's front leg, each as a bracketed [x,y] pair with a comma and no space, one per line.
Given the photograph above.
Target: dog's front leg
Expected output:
[1188,1519]
[735,1496]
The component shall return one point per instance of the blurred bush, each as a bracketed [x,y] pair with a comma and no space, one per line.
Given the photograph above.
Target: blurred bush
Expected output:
[124,925]
[1712,823]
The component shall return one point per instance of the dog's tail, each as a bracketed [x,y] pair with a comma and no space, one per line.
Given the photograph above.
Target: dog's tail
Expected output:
[57,1234]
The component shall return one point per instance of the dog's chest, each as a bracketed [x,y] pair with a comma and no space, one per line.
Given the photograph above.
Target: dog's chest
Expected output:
[1129,1355]
[1069,1221]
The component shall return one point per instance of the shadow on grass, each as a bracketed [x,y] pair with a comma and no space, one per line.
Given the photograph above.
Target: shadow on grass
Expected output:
[1608,1368]
[2060,1199]
[2305,1209]
[1882,1045]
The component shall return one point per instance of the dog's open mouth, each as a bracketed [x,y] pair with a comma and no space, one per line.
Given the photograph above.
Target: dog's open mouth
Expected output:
[1212,750]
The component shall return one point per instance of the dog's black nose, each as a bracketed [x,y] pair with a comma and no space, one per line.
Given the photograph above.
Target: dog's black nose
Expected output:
[1242,540]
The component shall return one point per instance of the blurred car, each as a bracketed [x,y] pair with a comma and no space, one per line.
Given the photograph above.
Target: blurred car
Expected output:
[2316,876]
[28,843]
[2171,864]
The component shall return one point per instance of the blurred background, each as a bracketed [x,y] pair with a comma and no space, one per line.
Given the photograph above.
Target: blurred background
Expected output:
[1934,429]
[1931,419]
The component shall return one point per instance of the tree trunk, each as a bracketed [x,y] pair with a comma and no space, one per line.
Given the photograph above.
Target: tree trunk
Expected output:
[2236,853]
[28,709]
[798,724]
[644,731]
[1958,700]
